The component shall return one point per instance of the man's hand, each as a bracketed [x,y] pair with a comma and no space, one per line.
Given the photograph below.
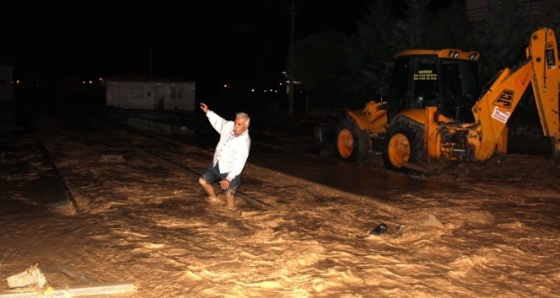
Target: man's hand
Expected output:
[224,184]
[204,107]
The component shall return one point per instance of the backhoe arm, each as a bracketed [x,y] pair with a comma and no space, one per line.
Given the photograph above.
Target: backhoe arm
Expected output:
[493,109]
[546,84]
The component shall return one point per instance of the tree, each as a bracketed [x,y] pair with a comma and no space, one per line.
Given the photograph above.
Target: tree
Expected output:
[554,16]
[319,63]
[413,30]
[451,27]
[371,57]
[500,37]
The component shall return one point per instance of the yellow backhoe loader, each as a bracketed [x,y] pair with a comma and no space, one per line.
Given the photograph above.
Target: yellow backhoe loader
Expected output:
[433,109]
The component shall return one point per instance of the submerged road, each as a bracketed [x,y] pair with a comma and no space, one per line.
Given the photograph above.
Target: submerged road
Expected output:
[360,179]
[298,155]
[290,148]
[291,153]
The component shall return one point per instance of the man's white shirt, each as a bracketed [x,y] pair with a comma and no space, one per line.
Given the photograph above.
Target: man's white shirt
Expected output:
[232,152]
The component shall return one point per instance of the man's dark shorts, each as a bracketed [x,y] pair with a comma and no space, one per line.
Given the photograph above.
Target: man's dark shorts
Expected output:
[212,173]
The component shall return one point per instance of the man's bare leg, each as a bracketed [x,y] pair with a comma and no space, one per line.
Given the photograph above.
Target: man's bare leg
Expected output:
[230,200]
[207,187]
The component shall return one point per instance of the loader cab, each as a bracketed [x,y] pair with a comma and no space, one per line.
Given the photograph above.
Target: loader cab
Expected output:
[446,79]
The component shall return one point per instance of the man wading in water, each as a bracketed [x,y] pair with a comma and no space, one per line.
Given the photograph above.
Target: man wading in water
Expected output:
[229,158]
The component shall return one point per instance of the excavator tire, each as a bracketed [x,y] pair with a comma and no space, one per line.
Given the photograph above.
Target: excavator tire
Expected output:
[403,144]
[351,143]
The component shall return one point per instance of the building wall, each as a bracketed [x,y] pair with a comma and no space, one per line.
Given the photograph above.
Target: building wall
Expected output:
[151,95]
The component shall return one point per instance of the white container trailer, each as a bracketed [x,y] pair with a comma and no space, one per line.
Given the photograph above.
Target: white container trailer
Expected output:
[151,95]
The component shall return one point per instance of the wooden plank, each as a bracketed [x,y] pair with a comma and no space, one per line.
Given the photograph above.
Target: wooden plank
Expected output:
[77,291]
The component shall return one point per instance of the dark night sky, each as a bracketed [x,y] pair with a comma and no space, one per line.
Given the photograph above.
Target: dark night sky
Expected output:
[188,39]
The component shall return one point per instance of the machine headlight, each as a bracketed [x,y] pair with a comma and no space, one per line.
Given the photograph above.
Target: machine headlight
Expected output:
[474,56]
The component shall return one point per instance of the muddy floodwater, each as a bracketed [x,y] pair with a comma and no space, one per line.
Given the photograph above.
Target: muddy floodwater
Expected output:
[92,203]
